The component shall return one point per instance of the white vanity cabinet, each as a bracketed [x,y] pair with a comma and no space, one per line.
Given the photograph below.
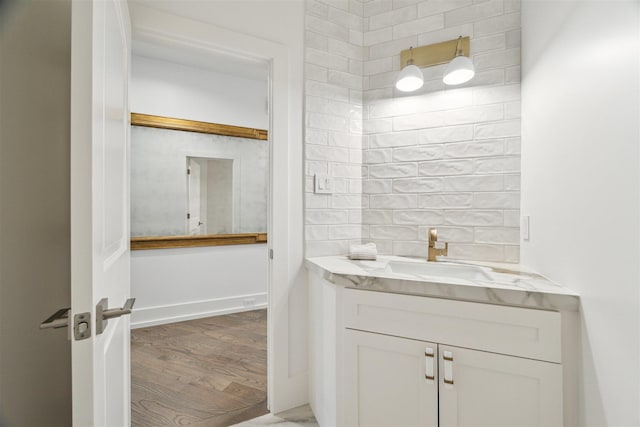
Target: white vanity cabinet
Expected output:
[491,390]
[419,361]
[380,358]
[385,385]
[385,381]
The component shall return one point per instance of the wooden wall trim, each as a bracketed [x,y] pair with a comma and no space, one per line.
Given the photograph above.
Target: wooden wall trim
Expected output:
[165,242]
[161,122]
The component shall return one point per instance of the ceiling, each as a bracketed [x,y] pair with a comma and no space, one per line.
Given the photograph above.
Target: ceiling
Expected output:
[216,61]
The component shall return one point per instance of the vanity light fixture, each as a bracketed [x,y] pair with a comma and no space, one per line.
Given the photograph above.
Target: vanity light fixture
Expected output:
[454,52]
[460,69]
[410,78]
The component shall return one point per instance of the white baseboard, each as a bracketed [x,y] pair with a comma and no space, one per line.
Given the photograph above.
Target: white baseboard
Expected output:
[152,316]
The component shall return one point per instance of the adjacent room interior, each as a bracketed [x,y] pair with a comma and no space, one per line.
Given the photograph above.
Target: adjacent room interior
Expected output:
[199,202]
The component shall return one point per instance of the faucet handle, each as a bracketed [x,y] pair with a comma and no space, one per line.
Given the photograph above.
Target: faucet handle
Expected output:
[433,249]
[443,250]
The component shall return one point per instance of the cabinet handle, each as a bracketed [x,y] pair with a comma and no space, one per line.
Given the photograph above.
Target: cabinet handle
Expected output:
[448,367]
[428,363]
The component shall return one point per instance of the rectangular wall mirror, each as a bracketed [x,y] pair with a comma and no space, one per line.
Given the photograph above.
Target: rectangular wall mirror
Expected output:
[196,183]
[212,206]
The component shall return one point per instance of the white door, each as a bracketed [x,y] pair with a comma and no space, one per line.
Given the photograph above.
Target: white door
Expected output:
[389,381]
[100,57]
[193,216]
[484,389]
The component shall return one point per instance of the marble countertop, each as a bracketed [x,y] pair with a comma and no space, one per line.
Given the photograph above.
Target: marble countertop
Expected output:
[505,284]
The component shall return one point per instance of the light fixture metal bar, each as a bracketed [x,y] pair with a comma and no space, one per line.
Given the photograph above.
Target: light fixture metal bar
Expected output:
[435,54]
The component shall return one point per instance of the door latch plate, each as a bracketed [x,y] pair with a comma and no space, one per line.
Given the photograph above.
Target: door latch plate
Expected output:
[82,326]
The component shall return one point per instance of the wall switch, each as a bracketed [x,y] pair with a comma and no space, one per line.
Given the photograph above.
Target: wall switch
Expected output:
[322,184]
[524,226]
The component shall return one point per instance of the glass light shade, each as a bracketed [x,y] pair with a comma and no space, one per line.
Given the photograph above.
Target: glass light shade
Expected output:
[409,79]
[460,70]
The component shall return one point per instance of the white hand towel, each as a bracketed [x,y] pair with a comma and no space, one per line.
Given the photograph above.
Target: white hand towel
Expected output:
[367,252]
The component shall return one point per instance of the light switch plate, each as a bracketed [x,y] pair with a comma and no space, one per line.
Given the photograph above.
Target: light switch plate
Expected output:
[322,184]
[524,226]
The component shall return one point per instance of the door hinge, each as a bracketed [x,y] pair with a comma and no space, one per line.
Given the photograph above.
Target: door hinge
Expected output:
[270,253]
[188,171]
[188,216]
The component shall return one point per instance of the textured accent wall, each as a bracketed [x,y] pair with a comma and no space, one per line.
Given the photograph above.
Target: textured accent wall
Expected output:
[445,157]
[333,114]
[159,193]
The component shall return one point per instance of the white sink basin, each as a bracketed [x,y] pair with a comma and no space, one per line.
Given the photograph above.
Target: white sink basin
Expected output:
[435,269]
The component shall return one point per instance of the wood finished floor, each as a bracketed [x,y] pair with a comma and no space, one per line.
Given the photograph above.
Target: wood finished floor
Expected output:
[202,373]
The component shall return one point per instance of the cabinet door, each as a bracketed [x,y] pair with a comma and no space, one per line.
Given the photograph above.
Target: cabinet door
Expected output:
[483,389]
[389,381]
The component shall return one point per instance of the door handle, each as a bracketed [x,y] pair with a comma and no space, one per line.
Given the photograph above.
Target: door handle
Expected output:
[59,319]
[103,313]
[448,367]
[428,361]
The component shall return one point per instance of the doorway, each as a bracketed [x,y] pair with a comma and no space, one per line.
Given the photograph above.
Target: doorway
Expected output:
[200,326]
[212,199]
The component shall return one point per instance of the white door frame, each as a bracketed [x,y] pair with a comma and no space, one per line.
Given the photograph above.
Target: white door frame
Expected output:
[284,390]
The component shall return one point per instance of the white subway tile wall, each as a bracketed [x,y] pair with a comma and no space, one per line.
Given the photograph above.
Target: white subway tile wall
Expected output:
[445,157]
[334,67]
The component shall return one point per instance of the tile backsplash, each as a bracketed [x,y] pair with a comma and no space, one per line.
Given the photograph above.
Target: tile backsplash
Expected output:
[445,157]
[333,133]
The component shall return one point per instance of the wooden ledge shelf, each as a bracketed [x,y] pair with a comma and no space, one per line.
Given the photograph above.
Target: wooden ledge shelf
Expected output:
[165,242]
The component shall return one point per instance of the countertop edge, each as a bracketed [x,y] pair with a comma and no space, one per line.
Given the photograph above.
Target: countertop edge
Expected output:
[567,300]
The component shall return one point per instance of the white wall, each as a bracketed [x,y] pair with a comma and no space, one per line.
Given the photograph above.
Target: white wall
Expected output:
[35,268]
[218,184]
[172,285]
[447,157]
[333,112]
[581,183]
[165,88]
[443,156]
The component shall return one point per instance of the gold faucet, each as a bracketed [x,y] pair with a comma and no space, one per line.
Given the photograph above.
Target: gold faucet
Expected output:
[433,251]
